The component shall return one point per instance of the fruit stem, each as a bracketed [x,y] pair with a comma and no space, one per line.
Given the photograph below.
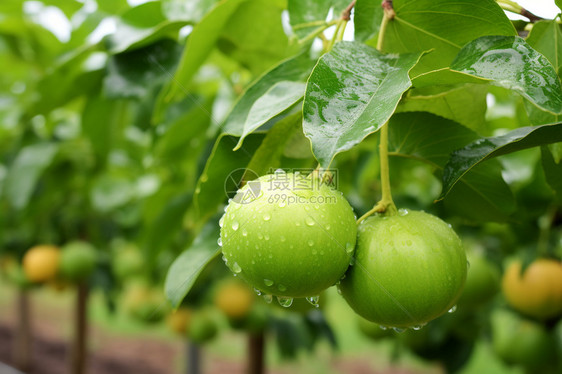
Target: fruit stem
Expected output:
[318,31]
[386,204]
[512,6]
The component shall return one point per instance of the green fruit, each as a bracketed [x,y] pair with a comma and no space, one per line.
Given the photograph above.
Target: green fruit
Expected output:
[203,328]
[521,341]
[482,283]
[78,261]
[410,268]
[127,262]
[294,239]
[144,304]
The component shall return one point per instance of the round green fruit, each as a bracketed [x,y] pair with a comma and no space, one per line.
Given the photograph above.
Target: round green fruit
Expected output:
[78,261]
[410,268]
[293,238]
[144,303]
[482,282]
[127,262]
[202,328]
[521,341]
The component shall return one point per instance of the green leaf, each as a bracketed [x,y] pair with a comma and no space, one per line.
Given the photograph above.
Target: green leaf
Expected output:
[135,73]
[210,191]
[295,69]
[268,155]
[430,139]
[200,43]
[552,169]
[558,3]
[546,38]
[25,171]
[465,104]
[464,159]
[254,36]
[140,26]
[110,192]
[280,97]
[511,63]
[443,26]
[191,11]
[445,77]
[188,266]
[160,232]
[351,93]
[304,12]
[367,19]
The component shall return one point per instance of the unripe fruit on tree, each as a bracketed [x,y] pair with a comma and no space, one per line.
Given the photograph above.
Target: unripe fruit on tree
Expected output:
[294,239]
[41,263]
[78,261]
[537,292]
[410,268]
[202,328]
[482,282]
[234,299]
[179,320]
[521,341]
[144,303]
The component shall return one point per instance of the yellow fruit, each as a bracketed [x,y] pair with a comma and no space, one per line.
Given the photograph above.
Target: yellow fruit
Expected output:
[234,299]
[179,320]
[41,263]
[538,291]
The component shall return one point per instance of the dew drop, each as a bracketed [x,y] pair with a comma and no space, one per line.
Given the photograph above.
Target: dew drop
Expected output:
[266,237]
[258,292]
[467,264]
[285,302]
[309,221]
[297,223]
[349,248]
[268,282]
[219,242]
[266,217]
[310,242]
[282,288]
[244,232]
[398,330]
[417,328]
[351,261]
[383,327]
[449,225]
[260,236]
[279,171]
[339,290]
[403,212]
[453,309]
[236,268]
[267,298]
[225,260]
[235,225]
[282,203]
[282,238]
[313,300]
[221,221]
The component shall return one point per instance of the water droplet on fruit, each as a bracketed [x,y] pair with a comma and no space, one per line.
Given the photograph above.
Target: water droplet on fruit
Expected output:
[351,261]
[235,225]
[282,238]
[258,292]
[349,248]
[225,260]
[297,223]
[282,204]
[383,327]
[219,242]
[244,232]
[285,302]
[417,328]
[467,264]
[236,268]
[398,329]
[450,226]
[313,300]
[279,171]
[403,212]
[266,237]
[310,242]
[327,227]
[307,208]
[309,221]
[339,290]
[268,282]
[267,298]
[221,221]
[260,236]
[282,288]
[266,217]
[453,309]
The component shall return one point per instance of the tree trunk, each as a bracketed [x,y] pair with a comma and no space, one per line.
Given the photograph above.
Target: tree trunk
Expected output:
[22,344]
[79,348]
[193,358]
[256,345]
